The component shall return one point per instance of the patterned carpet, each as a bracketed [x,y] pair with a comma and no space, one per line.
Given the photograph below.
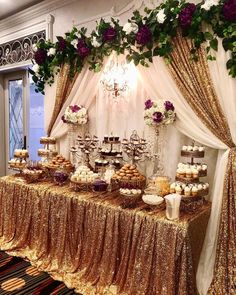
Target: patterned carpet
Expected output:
[19,277]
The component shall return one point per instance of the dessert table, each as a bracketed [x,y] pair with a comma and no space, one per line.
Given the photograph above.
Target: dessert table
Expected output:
[98,243]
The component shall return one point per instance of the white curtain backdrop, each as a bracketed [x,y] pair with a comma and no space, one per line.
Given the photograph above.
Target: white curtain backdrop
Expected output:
[225,87]
[159,83]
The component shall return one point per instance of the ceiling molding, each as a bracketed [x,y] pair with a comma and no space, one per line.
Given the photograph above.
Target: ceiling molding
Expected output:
[31,13]
[133,5]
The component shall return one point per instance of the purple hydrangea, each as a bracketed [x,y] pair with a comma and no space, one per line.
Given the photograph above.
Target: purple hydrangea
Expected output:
[229,10]
[148,104]
[169,106]
[186,15]
[82,48]
[109,34]
[144,35]
[75,108]
[61,45]
[157,117]
[40,56]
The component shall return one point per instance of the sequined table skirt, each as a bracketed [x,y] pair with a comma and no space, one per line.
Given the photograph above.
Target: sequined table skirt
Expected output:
[96,243]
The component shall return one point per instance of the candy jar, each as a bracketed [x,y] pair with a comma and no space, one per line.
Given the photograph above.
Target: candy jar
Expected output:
[60,176]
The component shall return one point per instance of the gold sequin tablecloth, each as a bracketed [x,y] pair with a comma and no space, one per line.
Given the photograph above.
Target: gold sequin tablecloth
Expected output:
[96,245]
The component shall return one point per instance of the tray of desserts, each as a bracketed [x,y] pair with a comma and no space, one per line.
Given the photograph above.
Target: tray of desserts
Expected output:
[58,162]
[191,190]
[111,139]
[193,170]
[46,153]
[83,178]
[21,154]
[129,177]
[32,174]
[193,151]
[47,140]
[130,192]
[17,164]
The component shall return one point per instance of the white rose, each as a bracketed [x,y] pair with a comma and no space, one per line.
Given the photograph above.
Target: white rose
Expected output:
[130,27]
[77,34]
[74,43]
[82,111]
[209,3]
[36,68]
[34,47]
[161,16]
[51,51]
[95,42]
[149,122]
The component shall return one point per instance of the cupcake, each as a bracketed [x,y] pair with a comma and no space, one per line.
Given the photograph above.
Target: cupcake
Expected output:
[188,173]
[184,148]
[204,167]
[195,148]
[178,189]
[194,191]
[189,148]
[195,173]
[200,187]
[201,149]
[187,191]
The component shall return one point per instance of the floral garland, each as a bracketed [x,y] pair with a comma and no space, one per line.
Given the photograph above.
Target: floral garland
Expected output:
[142,38]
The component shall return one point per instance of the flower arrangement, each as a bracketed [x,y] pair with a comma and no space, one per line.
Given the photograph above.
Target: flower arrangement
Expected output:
[75,114]
[142,38]
[158,113]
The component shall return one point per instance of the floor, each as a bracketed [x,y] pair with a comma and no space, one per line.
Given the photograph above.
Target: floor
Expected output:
[19,277]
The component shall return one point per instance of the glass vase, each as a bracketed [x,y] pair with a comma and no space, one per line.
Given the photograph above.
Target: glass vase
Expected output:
[159,148]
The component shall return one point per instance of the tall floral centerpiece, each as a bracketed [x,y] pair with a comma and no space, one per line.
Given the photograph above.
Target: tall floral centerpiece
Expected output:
[75,117]
[158,114]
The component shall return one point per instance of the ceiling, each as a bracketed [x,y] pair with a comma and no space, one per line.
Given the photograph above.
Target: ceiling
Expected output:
[9,7]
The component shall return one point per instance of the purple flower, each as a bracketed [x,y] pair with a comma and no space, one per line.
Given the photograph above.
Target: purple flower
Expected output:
[75,108]
[63,119]
[61,45]
[144,35]
[82,48]
[229,10]
[169,106]
[157,117]
[109,34]
[186,15]
[40,56]
[148,104]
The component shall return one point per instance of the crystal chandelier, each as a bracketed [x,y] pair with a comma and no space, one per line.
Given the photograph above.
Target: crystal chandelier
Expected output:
[114,78]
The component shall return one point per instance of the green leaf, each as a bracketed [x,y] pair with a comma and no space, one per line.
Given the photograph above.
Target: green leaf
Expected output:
[214,44]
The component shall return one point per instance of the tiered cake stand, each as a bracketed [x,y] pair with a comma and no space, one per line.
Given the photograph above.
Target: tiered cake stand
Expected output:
[190,203]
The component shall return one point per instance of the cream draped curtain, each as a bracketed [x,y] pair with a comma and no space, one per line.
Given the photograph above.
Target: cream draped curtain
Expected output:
[160,83]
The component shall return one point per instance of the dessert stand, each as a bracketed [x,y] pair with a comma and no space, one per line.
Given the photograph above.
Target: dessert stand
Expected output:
[84,150]
[47,152]
[190,202]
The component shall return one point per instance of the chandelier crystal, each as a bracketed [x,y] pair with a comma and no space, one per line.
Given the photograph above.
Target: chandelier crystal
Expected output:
[115,79]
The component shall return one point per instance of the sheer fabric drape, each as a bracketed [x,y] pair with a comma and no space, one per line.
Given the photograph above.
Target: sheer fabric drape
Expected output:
[159,83]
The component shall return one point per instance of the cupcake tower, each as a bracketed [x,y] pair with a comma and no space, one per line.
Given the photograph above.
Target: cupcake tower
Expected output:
[49,149]
[110,152]
[188,174]
[84,149]
[135,148]
[19,161]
